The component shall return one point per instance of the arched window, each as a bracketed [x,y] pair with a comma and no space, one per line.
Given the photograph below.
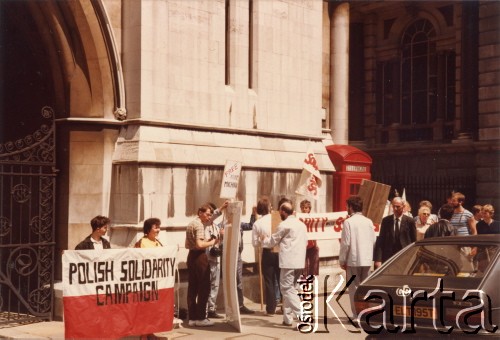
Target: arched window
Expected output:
[416,90]
[418,74]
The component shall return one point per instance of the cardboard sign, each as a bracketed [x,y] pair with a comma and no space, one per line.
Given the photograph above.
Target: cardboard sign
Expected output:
[275,222]
[230,263]
[113,293]
[374,197]
[230,178]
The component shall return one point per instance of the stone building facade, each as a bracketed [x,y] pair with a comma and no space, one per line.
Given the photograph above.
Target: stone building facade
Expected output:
[152,97]
[424,89]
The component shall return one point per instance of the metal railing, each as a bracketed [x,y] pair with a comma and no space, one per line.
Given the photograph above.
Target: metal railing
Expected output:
[431,188]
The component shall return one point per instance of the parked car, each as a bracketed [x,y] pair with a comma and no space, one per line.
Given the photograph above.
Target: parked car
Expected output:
[442,285]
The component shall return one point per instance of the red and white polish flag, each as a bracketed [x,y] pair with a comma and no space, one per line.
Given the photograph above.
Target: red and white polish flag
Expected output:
[113,293]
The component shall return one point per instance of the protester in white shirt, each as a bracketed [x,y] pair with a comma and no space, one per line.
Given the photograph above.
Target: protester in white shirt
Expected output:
[356,246]
[270,260]
[291,236]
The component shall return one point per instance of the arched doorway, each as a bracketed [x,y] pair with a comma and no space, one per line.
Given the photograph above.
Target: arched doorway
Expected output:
[58,62]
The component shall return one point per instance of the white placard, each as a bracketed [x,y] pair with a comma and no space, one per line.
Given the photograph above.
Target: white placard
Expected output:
[229,264]
[230,178]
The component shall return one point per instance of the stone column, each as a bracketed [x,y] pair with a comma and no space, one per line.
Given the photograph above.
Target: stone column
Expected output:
[373,133]
[339,73]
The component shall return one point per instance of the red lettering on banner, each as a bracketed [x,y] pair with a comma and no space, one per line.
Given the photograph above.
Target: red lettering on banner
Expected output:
[311,160]
[338,224]
[313,186]
[314,222]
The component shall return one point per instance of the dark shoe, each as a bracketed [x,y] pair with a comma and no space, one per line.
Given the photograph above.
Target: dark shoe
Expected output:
[245,310]
[270,314]
[355,321]
[213,315]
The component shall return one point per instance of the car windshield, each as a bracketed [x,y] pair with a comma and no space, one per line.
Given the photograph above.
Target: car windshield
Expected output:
[443,260]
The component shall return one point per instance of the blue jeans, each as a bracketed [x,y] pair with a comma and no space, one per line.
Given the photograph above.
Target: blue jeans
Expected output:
[214,285]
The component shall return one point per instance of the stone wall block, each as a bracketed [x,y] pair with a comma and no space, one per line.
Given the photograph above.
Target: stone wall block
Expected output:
[489,92]
[489,78]
[489,134]
[489,106]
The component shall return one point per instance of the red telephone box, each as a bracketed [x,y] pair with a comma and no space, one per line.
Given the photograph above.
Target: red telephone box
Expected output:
[352,166]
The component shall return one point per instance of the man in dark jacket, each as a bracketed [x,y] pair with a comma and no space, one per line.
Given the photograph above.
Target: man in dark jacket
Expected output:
[96,240]
[396,232]
[443,227]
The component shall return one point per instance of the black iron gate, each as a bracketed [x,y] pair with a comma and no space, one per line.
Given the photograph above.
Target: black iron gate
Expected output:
[27,188]
[431,188]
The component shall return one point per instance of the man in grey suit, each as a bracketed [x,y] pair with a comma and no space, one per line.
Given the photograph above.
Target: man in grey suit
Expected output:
[396,232]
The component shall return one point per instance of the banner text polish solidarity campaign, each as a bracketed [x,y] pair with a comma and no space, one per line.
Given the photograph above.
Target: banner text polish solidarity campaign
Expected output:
[138,279]
[131,289]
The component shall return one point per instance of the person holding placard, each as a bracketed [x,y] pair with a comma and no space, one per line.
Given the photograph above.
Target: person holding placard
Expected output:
[151,229]
[270,260]
[311,266]
[214,255]
[291,237]
[198,268]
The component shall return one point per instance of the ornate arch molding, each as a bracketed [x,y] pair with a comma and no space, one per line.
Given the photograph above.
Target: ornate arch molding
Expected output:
[413,14]
[83,56]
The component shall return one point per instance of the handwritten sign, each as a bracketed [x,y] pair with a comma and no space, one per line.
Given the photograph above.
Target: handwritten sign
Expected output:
[230,178]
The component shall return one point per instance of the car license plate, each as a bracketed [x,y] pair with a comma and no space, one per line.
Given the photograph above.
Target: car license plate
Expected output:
[418,312]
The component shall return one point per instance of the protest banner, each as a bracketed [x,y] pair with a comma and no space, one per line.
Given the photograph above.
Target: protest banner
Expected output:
[230,178]
[230,263]
[326,226]
[310,179]
[113,293]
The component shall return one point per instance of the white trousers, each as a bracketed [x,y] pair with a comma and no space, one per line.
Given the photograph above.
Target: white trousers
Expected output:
[291,300]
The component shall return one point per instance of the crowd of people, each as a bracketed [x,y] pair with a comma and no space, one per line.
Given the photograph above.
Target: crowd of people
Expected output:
[286,253]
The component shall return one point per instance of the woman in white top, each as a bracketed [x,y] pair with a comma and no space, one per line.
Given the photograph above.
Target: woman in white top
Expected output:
[423,221]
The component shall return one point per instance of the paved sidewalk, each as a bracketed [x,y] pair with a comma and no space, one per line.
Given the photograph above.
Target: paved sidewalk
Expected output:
[255,326]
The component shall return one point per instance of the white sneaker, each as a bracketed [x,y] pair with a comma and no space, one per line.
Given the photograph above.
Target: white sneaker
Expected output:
[177,323]
[192,323]
[204,323]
